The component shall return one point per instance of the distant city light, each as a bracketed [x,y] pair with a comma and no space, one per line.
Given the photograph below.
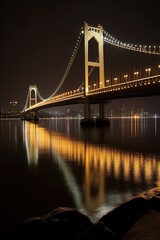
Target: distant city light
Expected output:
[13,103]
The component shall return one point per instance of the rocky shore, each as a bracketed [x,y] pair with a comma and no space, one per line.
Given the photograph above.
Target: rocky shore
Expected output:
[136,219]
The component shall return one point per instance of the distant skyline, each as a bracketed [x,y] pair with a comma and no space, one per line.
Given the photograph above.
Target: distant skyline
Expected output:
[37,39]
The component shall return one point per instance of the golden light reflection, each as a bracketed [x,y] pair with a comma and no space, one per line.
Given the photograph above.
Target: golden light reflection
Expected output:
[98,161]
[36,140]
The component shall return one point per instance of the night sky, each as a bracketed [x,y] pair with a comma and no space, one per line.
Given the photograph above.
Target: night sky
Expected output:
[37,39]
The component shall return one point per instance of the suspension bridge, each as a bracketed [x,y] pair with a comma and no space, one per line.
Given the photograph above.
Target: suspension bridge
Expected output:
[129,70]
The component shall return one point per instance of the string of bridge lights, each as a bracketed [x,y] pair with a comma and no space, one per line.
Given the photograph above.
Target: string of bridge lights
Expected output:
[108,38]
[74,53]
[26,103]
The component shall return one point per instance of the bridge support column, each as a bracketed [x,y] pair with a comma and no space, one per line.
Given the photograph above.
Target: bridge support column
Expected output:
[36,116]
[101,110]
[31,116]
[101,121]
[87,120]
[87,109]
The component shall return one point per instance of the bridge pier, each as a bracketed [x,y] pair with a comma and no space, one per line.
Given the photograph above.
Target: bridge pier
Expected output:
[101,110]
[101,120]
[87,109]
[31,116]
[88,120]
[35,116]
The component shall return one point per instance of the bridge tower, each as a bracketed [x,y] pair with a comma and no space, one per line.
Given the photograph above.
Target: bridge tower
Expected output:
[32,95]
[32,99]
[96,33]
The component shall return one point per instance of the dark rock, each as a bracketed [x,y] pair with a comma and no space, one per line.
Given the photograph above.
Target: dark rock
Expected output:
[61,223]
[121,219]
[69,223]
[98,232]
[28,228]
[154,203]
[64,223]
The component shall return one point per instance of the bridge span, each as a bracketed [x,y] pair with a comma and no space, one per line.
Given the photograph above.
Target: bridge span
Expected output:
[103,91]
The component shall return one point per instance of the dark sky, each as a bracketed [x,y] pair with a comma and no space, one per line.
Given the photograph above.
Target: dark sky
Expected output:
[37,39]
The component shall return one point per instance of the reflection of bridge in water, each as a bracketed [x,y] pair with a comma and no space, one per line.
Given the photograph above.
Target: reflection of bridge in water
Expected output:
[97,162]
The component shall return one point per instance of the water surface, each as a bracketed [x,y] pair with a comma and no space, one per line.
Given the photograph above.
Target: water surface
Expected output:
[58,163]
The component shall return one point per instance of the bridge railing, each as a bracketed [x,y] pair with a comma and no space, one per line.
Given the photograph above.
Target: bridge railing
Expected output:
[56,99]
[79,93]
[128,84]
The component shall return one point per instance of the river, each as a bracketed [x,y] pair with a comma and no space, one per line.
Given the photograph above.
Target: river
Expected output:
[58,163]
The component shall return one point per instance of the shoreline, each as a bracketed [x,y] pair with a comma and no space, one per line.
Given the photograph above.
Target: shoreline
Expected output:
[127,221]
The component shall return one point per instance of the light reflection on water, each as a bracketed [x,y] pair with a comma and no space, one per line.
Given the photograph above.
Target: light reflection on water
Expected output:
[57,163]
[110,175]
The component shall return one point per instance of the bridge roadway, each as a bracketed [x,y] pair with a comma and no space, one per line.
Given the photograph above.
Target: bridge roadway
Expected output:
[148,86]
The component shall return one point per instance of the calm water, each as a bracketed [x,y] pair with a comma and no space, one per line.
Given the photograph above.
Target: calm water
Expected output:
[57,163]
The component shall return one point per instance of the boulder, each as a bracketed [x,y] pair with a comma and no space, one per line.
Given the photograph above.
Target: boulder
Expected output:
[98,232]
[28,228]
[121,219]
[154,203]
[61,223]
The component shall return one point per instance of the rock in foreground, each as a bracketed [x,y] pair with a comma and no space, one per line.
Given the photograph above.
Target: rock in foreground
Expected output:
[136,219]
